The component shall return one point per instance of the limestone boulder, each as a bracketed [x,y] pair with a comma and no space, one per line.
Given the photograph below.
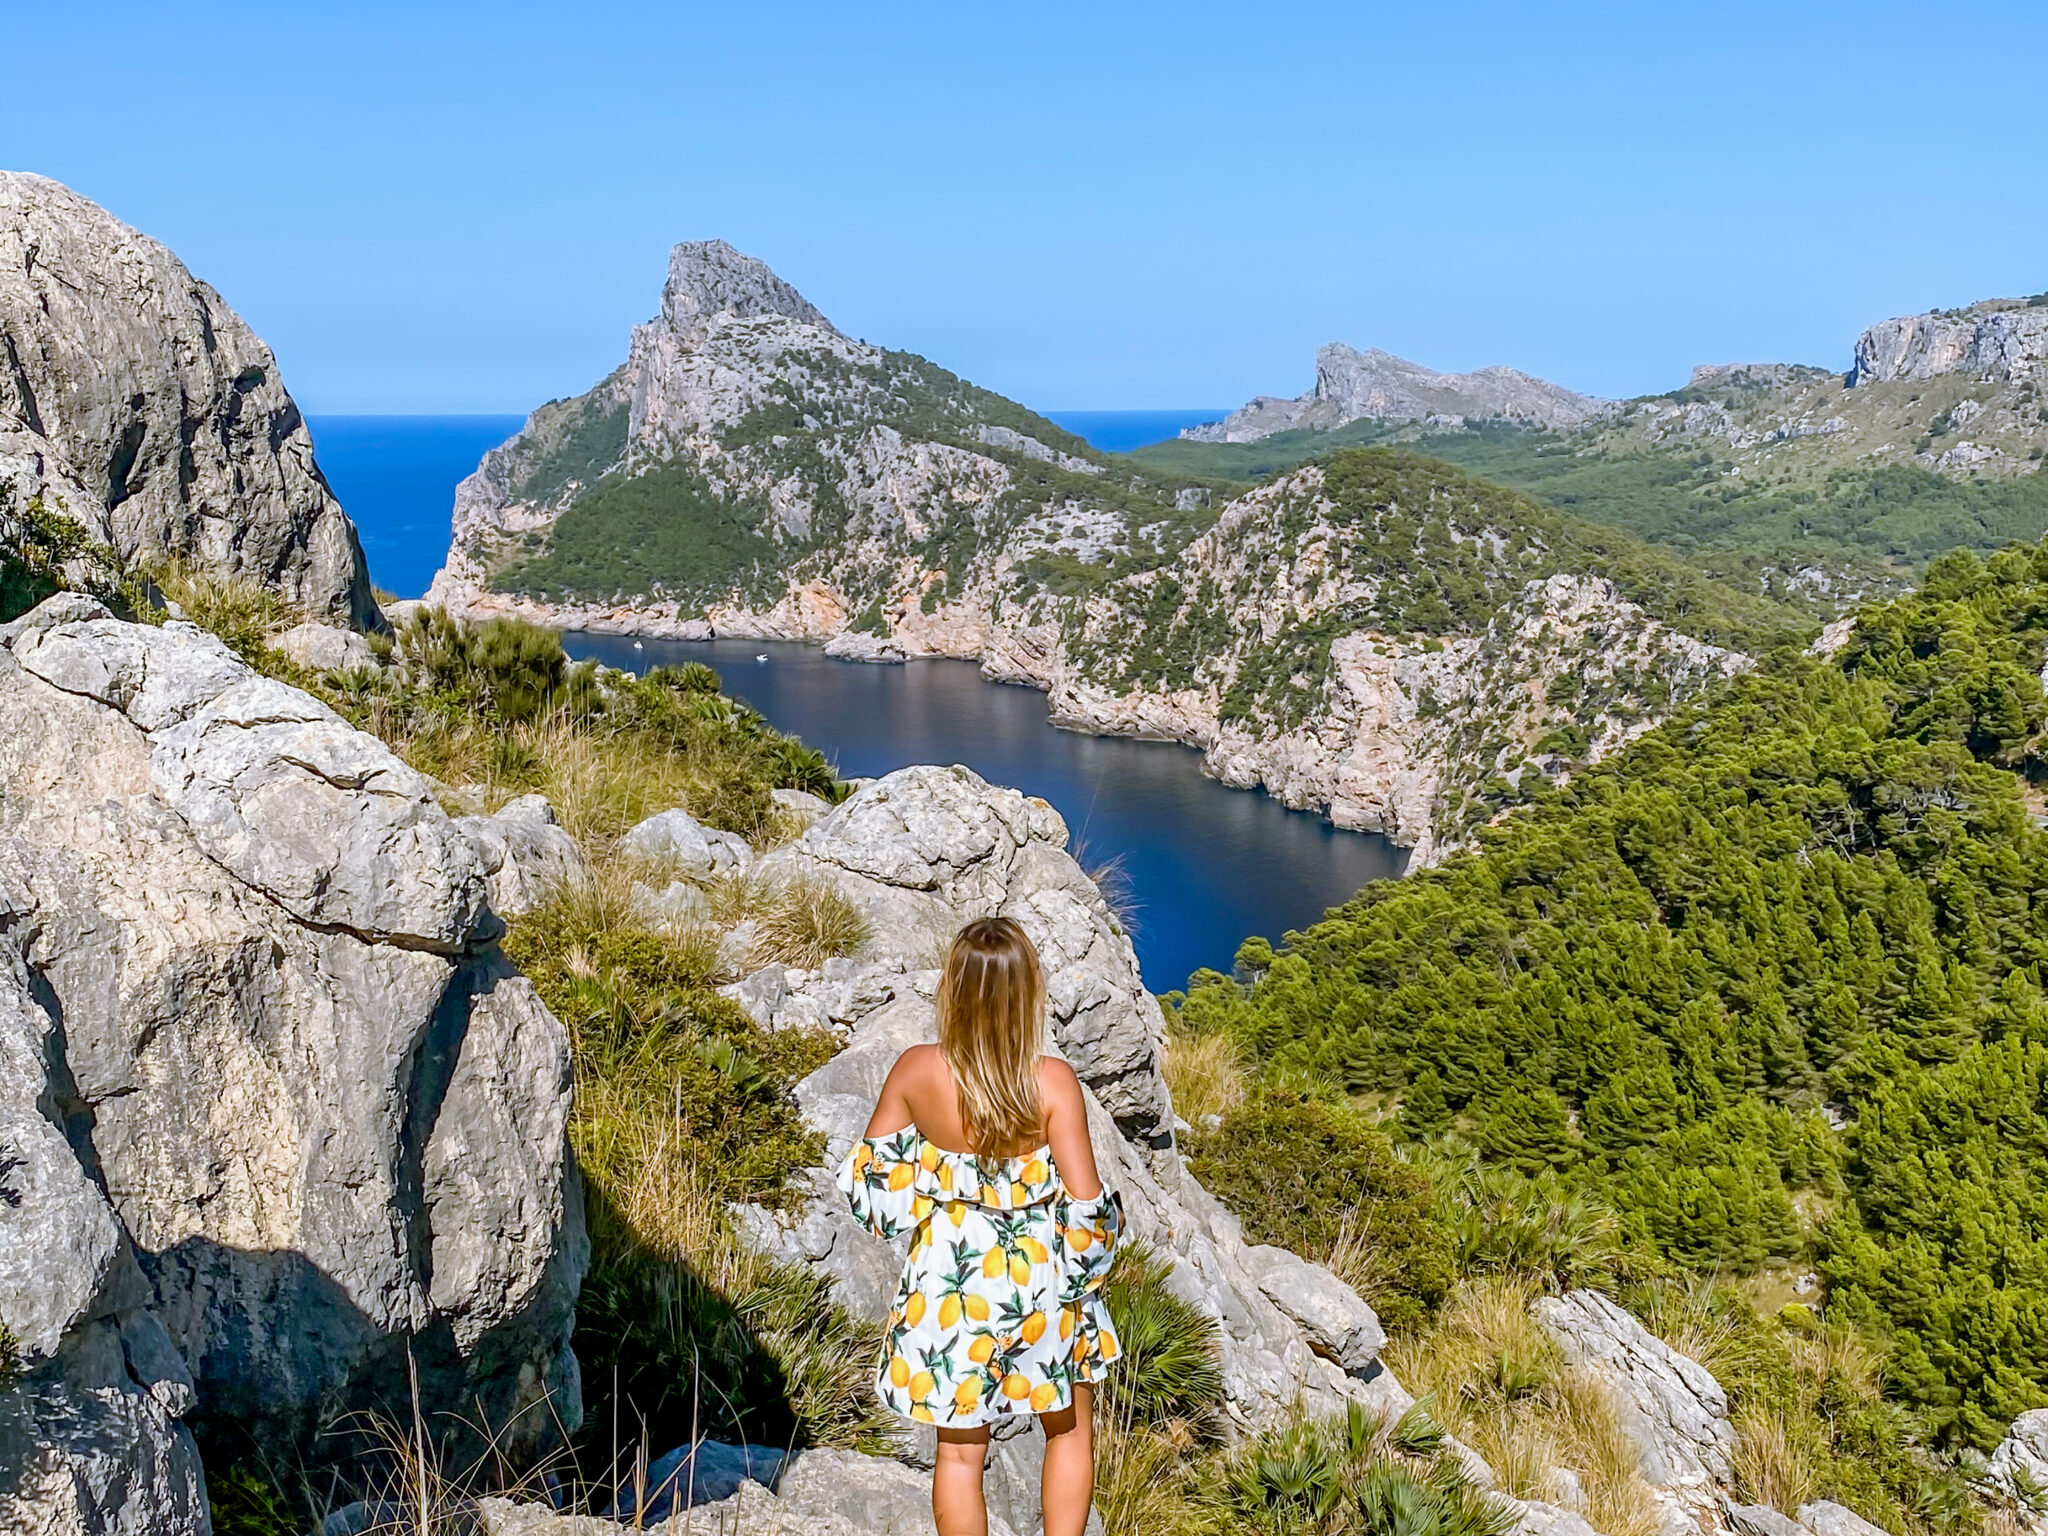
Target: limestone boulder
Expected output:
[2020,1461]
[1671,1406]
[1824,1517]
[324,647]
[1334,1320]
[524,852]
[679,840]
[276,1109]
[159,416]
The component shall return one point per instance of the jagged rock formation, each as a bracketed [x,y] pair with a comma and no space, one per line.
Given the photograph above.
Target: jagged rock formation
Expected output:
[274,1110]
[751,471]
[1353,386]
[1998,339]
[135,402]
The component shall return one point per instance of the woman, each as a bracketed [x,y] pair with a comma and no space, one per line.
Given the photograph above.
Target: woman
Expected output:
[978,1150]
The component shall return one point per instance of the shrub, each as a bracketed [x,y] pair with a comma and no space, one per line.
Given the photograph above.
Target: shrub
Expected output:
[1206,1073]
[1309,1173]
[1171,1370]
[807,922]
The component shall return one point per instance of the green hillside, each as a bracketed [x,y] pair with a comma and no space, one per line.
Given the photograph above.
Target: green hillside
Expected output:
[1769,983]
[1868,524]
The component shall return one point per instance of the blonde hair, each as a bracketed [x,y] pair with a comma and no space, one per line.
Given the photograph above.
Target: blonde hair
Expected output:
[992,1033]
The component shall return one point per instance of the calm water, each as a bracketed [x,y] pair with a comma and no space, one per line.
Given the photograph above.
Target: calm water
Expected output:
[1121,431]
[1206,865]
[396,477]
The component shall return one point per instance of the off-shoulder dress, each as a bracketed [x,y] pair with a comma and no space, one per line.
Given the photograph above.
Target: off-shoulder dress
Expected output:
[999,1311]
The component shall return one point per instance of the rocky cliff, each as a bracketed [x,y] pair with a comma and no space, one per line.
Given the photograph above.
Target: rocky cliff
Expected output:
[136,403]
[1352,385]
[1380,655]
[276,1118]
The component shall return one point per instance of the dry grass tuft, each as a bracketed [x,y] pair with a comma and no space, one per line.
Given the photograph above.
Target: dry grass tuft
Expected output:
[1206,1074]
[1497,1381]
[1771,1465]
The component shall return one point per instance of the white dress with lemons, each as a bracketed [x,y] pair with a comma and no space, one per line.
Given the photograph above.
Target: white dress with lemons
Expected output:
[999,1311]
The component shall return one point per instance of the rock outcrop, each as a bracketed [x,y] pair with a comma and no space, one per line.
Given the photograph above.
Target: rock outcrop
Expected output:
[1670,1405]
[2001,339]
[1353,386]
[135,402]
[275,1112]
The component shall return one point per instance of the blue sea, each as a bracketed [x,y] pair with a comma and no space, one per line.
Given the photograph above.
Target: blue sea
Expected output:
[396,476]
[1121,431]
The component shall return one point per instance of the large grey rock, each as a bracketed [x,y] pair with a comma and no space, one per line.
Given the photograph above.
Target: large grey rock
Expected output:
[312,1117]
[881,1497]
[688,1478]
[2020,1462]
[525,854]
[1334,1320]
[1824,1517]
[678,839]
[2000,340]
[160,415]
[1671,1406]
[1532,1517]
[1762,1520]
[325,648]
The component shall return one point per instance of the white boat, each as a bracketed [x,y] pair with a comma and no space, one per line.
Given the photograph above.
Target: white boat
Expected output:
[638,646]
[762,657]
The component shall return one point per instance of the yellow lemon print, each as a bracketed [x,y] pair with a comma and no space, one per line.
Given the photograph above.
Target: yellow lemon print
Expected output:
[920,1207]
[1043,1396]
[1034,1250]
[913,1309]
[921,1384]
[899,1372]
[977,1308]
[928,1158]
[981,1349]
[949,1310]
[1080,1348]
[1035,1171]
[1015,1386]
[901,1175]
[1020,1269]
[1034,1328]
[957,1211]
[1067,1316]
[966,1395]
[1079,1239]
[1109,1346]
[946,1177]
[922,1414]
[993,1264]
[988,1195]
[862,1156]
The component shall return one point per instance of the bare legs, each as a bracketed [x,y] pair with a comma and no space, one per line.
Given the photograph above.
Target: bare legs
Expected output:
[1066,1490]
[1068,1485]
[957,1505]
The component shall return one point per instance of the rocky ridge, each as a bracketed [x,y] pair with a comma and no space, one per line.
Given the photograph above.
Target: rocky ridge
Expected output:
[134,402]
[894,512]
[1352,386]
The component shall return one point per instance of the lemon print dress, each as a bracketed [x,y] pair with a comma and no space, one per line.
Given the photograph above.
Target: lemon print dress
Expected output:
[999,1310]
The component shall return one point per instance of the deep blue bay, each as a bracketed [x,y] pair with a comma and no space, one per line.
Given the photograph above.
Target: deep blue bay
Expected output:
[1204,865]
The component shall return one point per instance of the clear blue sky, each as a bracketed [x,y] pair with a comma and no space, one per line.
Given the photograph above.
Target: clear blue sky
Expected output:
[453,207]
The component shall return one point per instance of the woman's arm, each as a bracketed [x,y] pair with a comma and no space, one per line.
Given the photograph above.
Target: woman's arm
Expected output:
[1066,1129]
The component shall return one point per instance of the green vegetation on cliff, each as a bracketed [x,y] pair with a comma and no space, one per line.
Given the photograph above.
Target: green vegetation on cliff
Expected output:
[1769,984]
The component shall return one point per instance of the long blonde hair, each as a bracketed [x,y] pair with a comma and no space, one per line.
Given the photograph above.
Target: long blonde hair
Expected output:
[992,1032]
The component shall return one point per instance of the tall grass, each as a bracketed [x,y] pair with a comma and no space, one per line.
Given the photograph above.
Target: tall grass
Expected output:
[1207,1073]
[1496,1379]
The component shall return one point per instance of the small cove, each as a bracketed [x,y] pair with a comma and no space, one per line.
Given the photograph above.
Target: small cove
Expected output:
[1205,865]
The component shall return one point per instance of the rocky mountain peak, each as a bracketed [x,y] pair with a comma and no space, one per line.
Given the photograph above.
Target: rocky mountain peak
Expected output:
[135,402]
[708,279]
[1352,385]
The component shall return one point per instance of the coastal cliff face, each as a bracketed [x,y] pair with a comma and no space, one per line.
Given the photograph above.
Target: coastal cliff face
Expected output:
[136,403]
[1400,653]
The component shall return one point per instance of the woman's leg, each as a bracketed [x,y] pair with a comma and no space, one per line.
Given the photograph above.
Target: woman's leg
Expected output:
[957,1505]
[1068,1486]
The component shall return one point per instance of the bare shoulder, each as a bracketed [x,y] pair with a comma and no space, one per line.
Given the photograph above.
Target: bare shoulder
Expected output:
[1056,1080]
[917,1062]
